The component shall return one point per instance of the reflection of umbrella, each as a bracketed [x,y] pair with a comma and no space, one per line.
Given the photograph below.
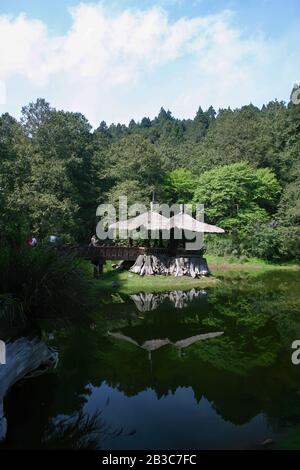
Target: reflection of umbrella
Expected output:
[184,343]
[149,346]
[183,221]
[153,344]
[151,220]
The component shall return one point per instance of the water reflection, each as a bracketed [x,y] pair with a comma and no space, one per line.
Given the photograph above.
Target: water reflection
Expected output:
[81,431]
[233,384]
[147,301]
[154,344]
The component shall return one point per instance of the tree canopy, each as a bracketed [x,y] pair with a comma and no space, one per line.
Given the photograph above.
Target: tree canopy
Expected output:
[237,194]
[242,164]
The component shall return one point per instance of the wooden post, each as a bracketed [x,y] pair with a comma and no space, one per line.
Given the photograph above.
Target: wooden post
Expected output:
[98,266]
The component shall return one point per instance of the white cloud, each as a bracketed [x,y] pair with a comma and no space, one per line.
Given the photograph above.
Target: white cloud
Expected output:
[117,66]
[2,92]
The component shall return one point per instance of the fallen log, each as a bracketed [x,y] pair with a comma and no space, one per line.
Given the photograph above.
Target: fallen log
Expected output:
[167,265]
[25,357]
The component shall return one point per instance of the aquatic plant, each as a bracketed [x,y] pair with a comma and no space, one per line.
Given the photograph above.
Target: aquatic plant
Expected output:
[80,431]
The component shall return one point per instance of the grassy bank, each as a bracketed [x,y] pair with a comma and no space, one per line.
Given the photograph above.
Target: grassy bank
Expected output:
[221,269]
[130,283]
[234,268]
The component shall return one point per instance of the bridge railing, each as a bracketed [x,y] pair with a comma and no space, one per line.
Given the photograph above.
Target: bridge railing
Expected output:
[105,252]
[115,252]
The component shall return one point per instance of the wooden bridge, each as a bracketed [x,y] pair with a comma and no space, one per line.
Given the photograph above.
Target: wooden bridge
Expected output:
[126,253]
[98,255]
[103,252]
[117,252]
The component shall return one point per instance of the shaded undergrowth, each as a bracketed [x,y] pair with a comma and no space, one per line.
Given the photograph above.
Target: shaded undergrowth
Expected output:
[41,283]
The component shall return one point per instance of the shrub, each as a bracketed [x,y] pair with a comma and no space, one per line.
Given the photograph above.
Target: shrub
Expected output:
[40,282]
[263,241]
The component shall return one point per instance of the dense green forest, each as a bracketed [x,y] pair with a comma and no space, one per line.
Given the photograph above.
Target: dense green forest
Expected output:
[243,164]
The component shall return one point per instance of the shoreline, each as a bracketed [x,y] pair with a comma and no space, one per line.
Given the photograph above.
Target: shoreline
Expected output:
[222,269]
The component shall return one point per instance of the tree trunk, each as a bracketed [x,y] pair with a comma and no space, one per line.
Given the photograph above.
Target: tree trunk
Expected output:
[24,358]
[136,268]
[174,266]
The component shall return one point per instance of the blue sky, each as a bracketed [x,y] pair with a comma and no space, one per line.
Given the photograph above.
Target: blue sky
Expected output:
[117,59]
[271,16]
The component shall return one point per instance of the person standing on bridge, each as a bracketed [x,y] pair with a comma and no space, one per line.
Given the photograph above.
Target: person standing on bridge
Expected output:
[53,239]
[94,241]
[32,241]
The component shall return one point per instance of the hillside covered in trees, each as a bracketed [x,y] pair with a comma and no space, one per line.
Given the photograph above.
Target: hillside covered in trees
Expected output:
[243,164]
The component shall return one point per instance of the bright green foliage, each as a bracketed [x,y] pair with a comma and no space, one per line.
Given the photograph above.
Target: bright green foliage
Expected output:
[179,186]
[237,196]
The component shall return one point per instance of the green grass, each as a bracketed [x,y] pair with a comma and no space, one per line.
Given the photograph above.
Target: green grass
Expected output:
[222,269]
[131,283]
[231,268]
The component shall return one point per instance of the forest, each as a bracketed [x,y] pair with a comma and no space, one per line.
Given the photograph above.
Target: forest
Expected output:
[242,164]
[55,170]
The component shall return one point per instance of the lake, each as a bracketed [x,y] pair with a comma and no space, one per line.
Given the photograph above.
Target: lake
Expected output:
[202,369]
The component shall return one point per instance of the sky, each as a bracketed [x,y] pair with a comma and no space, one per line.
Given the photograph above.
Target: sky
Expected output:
[114,60]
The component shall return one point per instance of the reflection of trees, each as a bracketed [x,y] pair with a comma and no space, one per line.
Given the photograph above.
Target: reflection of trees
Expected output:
[204,367]
[34,429]
[27,409]
[147,301]
[79,431]
[242,373]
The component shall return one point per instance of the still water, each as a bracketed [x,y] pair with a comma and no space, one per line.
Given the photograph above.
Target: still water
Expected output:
[204,369]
